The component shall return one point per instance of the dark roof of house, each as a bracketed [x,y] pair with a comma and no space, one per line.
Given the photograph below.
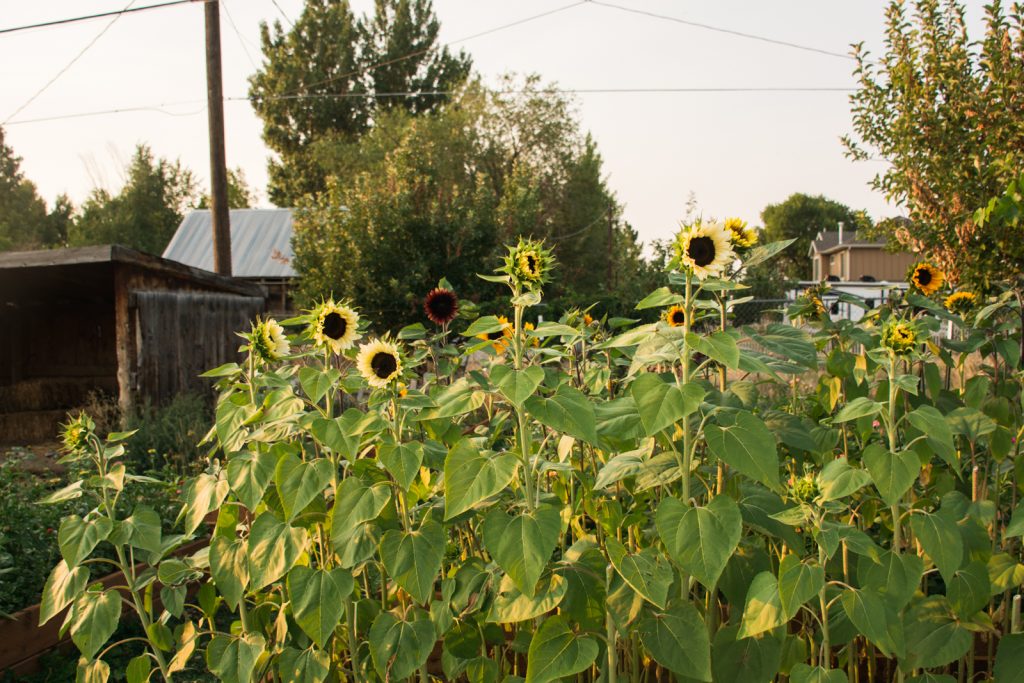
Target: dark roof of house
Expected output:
[261,242]
[828,240]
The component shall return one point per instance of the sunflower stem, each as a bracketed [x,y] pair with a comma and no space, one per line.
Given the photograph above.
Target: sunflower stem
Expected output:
[525,447]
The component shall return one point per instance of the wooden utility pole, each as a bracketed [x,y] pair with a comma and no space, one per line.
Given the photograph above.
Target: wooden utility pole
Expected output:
[218,162]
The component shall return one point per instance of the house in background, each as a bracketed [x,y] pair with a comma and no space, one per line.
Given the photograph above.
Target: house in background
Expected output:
[840,255]
[261,250]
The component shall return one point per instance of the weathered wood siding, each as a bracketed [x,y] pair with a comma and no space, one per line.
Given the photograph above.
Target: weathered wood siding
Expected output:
[181,334]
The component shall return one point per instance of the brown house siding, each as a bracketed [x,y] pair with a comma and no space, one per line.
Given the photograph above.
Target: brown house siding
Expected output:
[879,264]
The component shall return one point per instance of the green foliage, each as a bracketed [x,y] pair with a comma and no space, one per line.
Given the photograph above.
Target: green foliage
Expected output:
[24,221]
[938,106]
[240,194]
[801,217]
[320,79]
[145,212]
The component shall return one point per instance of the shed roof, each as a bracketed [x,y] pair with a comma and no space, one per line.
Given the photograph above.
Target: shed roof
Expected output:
[261,242]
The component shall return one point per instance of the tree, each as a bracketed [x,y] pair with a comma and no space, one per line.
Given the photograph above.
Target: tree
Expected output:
[22,210]
[146,211]
[423,197]
[802,217]
[947,115]
[321,78]
[240,194]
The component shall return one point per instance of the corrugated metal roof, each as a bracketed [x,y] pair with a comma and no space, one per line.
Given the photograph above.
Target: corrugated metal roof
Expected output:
[261,242]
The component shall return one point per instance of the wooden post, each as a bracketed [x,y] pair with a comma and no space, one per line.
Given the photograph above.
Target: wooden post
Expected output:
[218,164]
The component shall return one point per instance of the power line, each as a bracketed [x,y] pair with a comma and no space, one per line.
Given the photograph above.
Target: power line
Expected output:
[238,34]
[290,22]
[67,66]
[448,93]
[417,53]
[100,15]
[750,36]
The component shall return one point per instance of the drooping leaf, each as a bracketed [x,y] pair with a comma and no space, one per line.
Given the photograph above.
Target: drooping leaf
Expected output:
[647,571]
[413,558]
[249,474]
[567,411]
[472,474]
[77,537]
[859,407]
[400,645]
[62,586]
[204,495]
[877,619]
[700,539]
[798,582]
[838,480]
[300,482]
[318,600]
[556,651]
[511,606]
[678,640]
[893,473]
[402,461]
[763,608]
[522,544]
[720,346]
[661,404]
[355,503]
[274,546]
[941,540]
[930,422]
[747,446]
[229,566]
[517,385]
[93,620]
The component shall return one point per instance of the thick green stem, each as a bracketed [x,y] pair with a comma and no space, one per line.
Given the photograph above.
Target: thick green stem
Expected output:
[687,437]
[610,673]
[525,445]
[891,427]
[826,641]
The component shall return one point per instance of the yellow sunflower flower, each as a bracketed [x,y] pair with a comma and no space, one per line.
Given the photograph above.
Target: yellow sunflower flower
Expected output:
[532,341]
[899,336]
[675,316]
[501,338]
[705,249]
[379,362]
[334,326]
[926,278]
[267,340]
[741,235]
[960,302]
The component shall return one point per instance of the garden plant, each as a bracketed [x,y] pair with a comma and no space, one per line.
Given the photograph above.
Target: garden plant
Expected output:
[510,499]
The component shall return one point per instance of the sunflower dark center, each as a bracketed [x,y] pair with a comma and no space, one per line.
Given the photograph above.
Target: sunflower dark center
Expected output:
[335,325]
[383,364]
[491,336]
[678,317]
[441,305]
[924,276]
[531,263]
[701,250]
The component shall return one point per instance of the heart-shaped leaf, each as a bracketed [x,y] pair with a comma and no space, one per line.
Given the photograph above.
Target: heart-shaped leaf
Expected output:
[522,545]
[472,474]
[556,651]
[413,558]
[700,539]
[318,600]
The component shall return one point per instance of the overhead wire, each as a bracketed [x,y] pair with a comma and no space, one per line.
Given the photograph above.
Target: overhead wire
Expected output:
[719,29]
[238,34]
[286,18]
[98,15]
[67,66]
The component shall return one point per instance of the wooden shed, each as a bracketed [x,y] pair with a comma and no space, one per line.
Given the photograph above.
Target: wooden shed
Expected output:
[113,320]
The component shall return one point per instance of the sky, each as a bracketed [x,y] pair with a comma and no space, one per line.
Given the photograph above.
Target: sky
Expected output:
[735,151]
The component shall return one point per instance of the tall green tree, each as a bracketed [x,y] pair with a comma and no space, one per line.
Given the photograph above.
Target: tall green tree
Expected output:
[241,195]
[802,217]
[947,115]
[22,210]
[145,213]
[328,77]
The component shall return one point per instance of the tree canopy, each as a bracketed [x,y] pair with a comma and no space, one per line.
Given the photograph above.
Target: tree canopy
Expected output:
[802,217]
[947,115]
[24,221]
[423,197]
[333,74]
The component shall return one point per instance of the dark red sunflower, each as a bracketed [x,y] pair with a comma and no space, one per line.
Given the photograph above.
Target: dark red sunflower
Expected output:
[441,306]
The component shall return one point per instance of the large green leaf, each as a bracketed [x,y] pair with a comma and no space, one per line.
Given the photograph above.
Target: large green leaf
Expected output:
[316,382]
[511,606]
[249,474]
[862,406]
[876,619]
[798,582]
[567,411]
[789,342]
[803,673]
[556,651]
[517,385]
[747,446]
[700,539]
[274,546]
[647,572]
[303,666]
[402,460]
[93,620]
[1009,666]
[678,640]
[896,576]
[941,540]
[661,404]
[660,298]
[399,646]
[719,346]
[318,600]
[893,473]
[62,586]
[763,608]
[413,558]
[970,589]
[453,400]
[744,659]
[206,494]
[472,474]
[838,480]
[300,482]
[1004,573]
[77,537]
[522,544]
[355,503]
[937,432]
[229,566]
[934,636]
[233,659]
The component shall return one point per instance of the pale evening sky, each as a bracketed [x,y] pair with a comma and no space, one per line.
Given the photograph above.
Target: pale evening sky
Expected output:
[737,151]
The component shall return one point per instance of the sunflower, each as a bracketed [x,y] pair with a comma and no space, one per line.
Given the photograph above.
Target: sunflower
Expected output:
[441,305]
[534,341]
[926,278]
[379,363]
[675,316]
[704,249]
[267,340]
[899,336]
[334,326]
[528,264]
[588,319]
[960,302]
[740,234]
[501,338]
[74,434]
